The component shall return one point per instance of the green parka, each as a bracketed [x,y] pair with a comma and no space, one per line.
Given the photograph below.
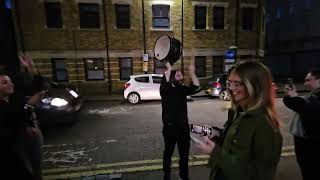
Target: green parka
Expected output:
[249,150]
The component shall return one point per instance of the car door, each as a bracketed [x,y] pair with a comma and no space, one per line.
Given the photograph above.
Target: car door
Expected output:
[143,86]
[156,81]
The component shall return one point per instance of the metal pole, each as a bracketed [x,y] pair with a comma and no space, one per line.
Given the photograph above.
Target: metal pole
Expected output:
[107,46]
[236,31]
[144,29]
[182,65]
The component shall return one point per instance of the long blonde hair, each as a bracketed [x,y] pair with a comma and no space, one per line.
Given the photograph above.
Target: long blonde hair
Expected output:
[258,81]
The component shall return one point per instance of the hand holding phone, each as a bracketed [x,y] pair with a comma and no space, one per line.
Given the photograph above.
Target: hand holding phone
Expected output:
[195,140]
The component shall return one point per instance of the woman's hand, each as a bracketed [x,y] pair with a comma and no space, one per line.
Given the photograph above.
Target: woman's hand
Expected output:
[27,62]
[207,146]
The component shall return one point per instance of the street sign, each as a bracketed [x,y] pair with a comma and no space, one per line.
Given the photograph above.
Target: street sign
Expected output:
[230,54]
[145,57]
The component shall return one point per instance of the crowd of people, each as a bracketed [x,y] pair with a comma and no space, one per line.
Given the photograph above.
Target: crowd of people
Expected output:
[248,147]
[250,143]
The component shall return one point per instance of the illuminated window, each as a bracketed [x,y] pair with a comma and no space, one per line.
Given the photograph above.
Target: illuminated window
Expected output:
[161,16]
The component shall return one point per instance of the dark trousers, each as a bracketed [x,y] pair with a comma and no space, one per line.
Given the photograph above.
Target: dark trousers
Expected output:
[181,137]
[307,157]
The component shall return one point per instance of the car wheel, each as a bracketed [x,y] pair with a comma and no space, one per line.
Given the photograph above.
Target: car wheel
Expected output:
[134,98]
[224,95]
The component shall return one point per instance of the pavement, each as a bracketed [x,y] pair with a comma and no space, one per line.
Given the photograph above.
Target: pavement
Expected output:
[287,170]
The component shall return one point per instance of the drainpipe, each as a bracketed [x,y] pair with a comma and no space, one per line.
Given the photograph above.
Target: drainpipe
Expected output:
[107,46]
[182,65]
[236,31]
[144,29]
[144,37]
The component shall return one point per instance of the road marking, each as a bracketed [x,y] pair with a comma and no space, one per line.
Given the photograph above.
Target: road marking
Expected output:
[91,142]
[126,167]
[120,170]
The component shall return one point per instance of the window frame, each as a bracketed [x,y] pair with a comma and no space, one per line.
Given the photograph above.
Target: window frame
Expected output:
[197,16]
[55,14]
[161,66]
[55,69]
[216,65]
[83,16]
[119,16]
[100,69]
[197,60]
[161,17]
[243,20]
[121,68]
[214,19]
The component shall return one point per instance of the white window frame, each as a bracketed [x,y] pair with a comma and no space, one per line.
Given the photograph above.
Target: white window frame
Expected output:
[169,3]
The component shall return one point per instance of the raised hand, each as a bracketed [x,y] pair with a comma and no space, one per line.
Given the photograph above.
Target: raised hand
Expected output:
[27,62]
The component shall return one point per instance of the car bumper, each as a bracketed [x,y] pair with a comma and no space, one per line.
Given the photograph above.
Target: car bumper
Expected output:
[213,92]
[50,116]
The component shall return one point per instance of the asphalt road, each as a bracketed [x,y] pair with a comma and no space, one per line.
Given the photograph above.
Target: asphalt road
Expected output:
[116,137]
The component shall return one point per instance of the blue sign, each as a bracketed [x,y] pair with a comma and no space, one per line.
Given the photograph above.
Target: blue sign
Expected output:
[230,54]
[8,4]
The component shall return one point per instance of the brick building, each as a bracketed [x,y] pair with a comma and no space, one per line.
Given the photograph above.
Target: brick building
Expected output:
[97,44]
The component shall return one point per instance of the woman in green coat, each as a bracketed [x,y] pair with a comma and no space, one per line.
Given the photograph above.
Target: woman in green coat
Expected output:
[250,146]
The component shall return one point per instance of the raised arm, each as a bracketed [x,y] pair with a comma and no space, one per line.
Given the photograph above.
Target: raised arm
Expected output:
[168,72]
[194,78]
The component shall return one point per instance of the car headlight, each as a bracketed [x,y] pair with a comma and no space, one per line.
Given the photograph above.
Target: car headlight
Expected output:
[73,93]
[58,102]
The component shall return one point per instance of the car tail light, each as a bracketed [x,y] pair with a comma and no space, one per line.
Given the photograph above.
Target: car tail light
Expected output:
[216,84]
[126,85]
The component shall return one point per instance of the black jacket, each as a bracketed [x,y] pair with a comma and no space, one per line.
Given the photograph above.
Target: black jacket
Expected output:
[307,108]
[174,102]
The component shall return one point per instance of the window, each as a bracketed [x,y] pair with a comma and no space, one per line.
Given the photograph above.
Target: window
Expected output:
[200,15]
[53,14]
[122,16]
[159,67]
[307,4]
[292,7]
[218,17]
[144,79]
[161,16]
[125,68]
[200,64]
[94,69]
[156,79]
[247,18]
[89,15]
[217,64]
[60,72]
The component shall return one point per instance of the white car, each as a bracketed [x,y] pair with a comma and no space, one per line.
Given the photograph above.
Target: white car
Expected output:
[143,87]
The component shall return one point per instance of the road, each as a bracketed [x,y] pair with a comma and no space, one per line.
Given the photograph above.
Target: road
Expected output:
[113,135]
